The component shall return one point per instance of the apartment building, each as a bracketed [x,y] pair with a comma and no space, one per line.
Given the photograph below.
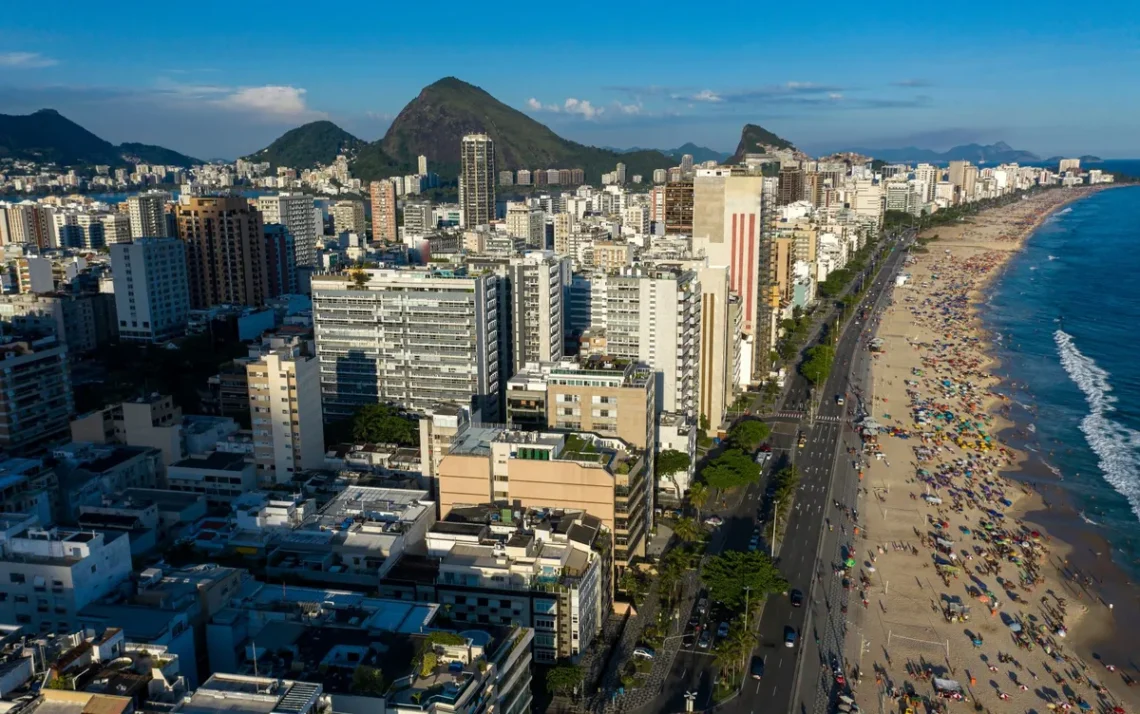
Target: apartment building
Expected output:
[152,420]
[348,217]
[36,402]
[678,207]
[147,215]
[285,408]
[225,254]
[219,476]
[383,194]
[550,570]
[477,180]
[605,395]
[537,314]
[47,575]
[528,223]
[83,322]
[33,274]
[152,299]
[523,469]
[415,338]
[29,486]
[297,213]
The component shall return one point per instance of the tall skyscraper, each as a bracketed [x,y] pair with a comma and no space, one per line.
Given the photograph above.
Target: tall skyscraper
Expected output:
[384,211]
[687,164]
[929,175]
[477,180]
[152,295]
[409,337]
[225,251]
[619,173]
[421,165]
[148,215]
[678,207]
[296,212]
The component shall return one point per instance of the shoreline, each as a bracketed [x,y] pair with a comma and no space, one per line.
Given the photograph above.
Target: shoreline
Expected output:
[939,356]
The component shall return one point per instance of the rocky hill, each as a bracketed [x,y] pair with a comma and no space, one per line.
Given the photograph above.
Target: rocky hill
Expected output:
[754,139]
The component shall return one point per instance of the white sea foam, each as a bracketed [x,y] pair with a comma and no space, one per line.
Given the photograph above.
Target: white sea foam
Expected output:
[1052,257]
[1116,446]
[1065,210]
[1056,471]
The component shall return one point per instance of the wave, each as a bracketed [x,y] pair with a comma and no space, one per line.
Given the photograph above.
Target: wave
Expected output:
[1065,210]
[1088,520]
[1117,447]
[1052,257]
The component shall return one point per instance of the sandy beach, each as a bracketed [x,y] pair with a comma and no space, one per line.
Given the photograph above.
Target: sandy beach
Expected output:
[948,533]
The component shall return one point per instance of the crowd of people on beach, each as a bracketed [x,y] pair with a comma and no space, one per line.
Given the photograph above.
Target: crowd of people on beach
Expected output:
[970,540]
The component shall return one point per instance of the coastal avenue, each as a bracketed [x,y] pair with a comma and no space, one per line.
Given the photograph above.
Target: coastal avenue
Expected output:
[693,669]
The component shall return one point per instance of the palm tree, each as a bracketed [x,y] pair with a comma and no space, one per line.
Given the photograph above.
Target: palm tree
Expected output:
[687,530]
[698,496]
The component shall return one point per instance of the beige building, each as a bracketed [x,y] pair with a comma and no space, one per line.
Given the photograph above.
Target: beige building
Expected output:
[151,421]
[285,408]
[604,477]
[599,394]
[225,251]
[528,223]
[348,217]
[717,361]
[611,257]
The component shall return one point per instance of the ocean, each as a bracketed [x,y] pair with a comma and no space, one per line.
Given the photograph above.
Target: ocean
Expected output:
[1064,314]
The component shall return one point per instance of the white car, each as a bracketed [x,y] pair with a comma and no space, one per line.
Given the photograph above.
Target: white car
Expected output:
[714,521]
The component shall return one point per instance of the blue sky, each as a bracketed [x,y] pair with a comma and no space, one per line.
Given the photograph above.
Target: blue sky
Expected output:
[220,79]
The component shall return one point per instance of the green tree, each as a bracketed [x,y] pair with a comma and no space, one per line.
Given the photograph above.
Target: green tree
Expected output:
[731,574]
[732,469]
[380,423]
[687,530]
[698,497]
[368,681]
[817,366]
[671,461]
[749,434]
[564,678]
[634,584]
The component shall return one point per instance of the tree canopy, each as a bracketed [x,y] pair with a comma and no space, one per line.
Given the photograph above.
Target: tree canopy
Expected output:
[749,434]
[732,469]
[380,423]
[671,461]
[729,575]
[564,678]
[817,366]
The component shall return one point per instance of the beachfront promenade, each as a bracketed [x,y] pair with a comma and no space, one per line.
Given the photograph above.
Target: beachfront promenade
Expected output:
[806,543]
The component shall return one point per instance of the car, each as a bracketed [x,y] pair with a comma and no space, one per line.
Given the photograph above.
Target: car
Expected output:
[839,400]
[797,598]
[703,605]
[722,630]
[762,458]
[694,620]
[688,640]
[757,668]
[704,640]
[789,636]
[802,440]
[714,521]
[644,653]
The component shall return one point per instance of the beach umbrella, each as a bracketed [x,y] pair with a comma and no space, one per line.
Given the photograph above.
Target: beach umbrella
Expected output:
[850,562]
[1085,706]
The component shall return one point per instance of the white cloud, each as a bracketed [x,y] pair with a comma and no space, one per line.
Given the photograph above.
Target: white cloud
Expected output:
[835,96]
[706,95]
[628,108]
[26,60]
[538,106]
[270,99]
[583,107]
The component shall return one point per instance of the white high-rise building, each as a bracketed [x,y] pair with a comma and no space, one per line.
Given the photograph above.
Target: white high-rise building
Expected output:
[477,180]
[421,165]
[285,408]
[537,310]
[930,175]
[636,218]
[295,212]
[152,295]
[415,338]
[148,215]
[653,315]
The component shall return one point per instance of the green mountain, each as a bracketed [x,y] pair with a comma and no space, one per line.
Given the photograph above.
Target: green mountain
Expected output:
[700,154]
[753,139]
[434,124]
[317,142]
[151,154]
[48,136]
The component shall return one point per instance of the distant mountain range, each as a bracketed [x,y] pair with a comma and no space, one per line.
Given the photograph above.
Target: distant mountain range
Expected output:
[998,153]
[48,136]
[700,154]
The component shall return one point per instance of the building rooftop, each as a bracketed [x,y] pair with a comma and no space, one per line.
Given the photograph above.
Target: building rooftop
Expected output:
[214,461]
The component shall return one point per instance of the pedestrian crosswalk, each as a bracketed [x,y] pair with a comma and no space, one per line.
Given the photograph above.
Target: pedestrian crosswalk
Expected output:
[788,415]
[829,419]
